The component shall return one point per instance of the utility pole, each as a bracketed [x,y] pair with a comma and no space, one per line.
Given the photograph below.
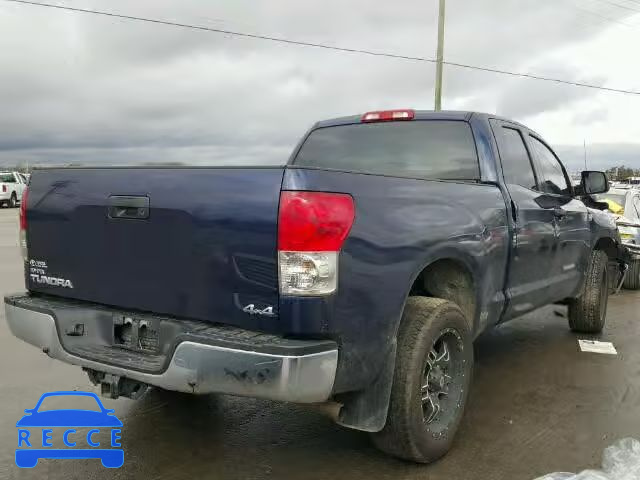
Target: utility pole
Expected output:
[439,57]
[584,146]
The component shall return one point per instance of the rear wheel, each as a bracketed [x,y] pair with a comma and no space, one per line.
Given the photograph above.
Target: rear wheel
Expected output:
[632,279]
[431,381]
[13,201]
[588,312]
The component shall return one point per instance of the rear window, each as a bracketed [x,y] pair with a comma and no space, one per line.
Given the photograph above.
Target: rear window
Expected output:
[431,149]
[7,178]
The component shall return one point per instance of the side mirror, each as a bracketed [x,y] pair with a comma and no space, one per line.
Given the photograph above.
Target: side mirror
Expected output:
[594,182]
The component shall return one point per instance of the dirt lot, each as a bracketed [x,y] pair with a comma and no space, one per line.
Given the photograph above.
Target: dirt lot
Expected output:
[538,405]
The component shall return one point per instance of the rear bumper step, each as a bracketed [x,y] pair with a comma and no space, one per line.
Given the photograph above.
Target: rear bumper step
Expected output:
[188,356]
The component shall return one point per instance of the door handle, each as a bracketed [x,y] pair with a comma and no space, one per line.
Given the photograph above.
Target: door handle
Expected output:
[136,208]
[559,212]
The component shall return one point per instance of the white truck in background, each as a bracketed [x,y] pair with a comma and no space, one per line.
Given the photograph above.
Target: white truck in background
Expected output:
[12,184]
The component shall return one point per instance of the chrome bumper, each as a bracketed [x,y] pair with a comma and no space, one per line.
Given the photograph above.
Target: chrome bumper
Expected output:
[201,368]
[634,250]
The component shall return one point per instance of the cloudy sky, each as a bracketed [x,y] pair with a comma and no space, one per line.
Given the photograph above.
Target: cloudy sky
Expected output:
[84,88]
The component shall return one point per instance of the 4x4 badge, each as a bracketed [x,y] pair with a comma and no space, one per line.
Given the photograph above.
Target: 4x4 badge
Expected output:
[252,310]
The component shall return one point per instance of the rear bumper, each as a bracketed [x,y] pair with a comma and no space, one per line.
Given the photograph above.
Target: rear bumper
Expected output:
[209,365]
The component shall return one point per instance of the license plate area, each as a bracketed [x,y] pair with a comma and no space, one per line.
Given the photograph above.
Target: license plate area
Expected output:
[136,333]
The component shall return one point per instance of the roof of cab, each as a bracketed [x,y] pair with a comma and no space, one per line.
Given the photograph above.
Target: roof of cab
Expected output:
[419,115]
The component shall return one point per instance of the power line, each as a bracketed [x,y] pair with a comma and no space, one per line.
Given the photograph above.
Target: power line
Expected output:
[624,7]
[590,12]
[538,77]
[225,32]
[632,2]
[587,21]
[326,47]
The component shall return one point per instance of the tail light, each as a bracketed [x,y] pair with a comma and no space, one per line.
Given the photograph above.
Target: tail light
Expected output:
[312,226]
[23,224]
[4,189]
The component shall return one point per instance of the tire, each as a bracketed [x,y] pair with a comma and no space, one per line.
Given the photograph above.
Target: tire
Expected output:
[588,312]
[415,430]
[13,201]
[632,279]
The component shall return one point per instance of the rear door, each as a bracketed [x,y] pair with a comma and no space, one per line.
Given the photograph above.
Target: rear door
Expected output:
[189,242]
[570,221]
[534,240]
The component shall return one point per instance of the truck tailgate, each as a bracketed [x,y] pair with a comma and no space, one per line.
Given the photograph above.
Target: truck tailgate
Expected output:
[205,248]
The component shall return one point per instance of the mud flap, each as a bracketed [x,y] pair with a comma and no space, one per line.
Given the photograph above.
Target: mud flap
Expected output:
[367,410]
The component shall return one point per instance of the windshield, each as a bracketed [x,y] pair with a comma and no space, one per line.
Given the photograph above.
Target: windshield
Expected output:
[440,150]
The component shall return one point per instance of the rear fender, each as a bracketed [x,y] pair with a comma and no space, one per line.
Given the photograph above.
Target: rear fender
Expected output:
[452,253]
[366,410]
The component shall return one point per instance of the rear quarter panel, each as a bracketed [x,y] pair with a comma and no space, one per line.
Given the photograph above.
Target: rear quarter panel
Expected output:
[401,226]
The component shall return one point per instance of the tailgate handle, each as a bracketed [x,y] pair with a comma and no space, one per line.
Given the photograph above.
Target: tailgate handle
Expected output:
[136,208]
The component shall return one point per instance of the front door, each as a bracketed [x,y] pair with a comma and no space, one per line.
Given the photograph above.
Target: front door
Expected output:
[571,220]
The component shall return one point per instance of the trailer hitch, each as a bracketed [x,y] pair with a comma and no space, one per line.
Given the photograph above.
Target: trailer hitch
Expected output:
[114,386]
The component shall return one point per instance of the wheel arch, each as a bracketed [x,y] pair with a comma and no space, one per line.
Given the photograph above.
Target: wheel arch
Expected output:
[366,410]
[607,245]
[451,275]
[616,257]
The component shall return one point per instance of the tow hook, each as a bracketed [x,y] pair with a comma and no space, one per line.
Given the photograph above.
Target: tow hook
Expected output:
[114,386]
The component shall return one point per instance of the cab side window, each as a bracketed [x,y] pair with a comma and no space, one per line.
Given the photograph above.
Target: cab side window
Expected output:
[516,164]
[552,177]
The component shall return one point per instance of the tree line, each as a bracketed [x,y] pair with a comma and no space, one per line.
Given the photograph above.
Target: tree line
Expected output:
[622,173]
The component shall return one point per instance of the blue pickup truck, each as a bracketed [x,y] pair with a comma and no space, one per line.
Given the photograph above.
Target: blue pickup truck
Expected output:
[359,272]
